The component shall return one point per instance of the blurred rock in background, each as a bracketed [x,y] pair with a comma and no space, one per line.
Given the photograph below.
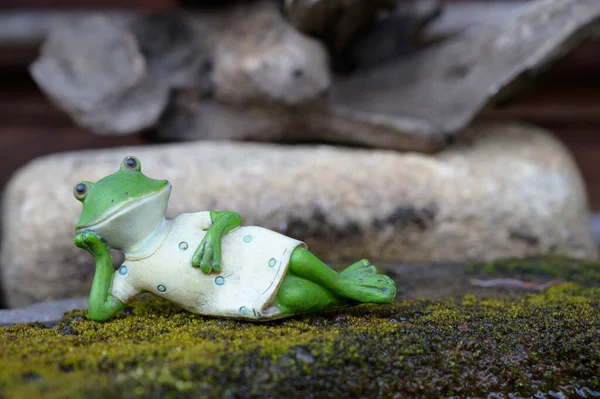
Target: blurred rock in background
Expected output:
[406,174]
[198,73]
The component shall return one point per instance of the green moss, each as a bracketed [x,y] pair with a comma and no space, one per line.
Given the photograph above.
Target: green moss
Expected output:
[467,346]
[586,272]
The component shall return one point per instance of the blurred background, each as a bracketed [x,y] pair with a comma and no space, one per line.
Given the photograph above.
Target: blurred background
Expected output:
[566,99]
[563,97]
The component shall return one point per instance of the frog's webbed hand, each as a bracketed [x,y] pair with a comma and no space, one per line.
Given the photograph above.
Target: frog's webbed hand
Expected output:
[101,305]
[208,254]
[92,243]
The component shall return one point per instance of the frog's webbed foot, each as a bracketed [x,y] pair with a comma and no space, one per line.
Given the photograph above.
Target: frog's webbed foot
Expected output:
[361,282]
[361,264]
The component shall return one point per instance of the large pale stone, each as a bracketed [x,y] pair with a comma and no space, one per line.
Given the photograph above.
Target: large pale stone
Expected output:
[505,191]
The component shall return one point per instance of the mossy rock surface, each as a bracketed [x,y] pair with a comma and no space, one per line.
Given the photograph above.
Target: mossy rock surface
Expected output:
[458,346]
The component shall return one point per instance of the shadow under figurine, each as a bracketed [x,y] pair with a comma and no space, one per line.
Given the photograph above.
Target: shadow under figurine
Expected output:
[205,261]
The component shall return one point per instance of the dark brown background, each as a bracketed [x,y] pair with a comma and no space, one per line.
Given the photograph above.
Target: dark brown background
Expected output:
[565,100]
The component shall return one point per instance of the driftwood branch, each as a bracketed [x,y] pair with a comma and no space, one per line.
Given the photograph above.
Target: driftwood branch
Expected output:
[244,72]
[448,85]
[28,29]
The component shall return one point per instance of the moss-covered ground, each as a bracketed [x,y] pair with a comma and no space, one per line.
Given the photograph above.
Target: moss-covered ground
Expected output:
[460,346]
[585,272]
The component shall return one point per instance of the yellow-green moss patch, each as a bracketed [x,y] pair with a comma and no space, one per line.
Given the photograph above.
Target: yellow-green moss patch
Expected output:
[467,346]
[586,272]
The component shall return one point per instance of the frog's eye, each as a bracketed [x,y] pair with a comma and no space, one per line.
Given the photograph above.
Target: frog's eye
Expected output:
[131,163]
[80,190]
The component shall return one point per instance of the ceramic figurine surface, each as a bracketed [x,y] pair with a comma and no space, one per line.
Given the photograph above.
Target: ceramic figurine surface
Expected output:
[206,262]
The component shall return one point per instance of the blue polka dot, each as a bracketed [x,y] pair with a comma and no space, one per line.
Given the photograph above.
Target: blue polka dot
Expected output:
[183,245]
[161,288]
[244,311]
[123,270]
[272,262]
[219,280]
[247,239]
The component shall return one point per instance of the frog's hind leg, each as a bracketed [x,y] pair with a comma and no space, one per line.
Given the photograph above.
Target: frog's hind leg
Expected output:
[298,295]
[359,282]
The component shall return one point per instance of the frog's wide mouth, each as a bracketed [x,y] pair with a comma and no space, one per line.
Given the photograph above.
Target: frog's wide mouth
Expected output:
[124,209]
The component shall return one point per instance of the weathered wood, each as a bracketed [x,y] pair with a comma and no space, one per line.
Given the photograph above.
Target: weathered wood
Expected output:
[392,35]
[448,85]
[260,58]
[335,22]
[27,26]
[94,70]
[459,16]
[416,104]
[30,28]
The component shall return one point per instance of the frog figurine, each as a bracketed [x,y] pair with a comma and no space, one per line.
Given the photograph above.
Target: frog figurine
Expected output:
[205,262]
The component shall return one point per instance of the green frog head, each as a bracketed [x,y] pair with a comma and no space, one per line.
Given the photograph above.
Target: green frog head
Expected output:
[124,207]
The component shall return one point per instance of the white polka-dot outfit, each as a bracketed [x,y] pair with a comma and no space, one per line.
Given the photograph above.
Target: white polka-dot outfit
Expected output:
[254,263]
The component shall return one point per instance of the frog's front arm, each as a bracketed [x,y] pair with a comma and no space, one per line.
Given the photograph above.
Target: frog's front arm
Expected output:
[208,253]
[101,304]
